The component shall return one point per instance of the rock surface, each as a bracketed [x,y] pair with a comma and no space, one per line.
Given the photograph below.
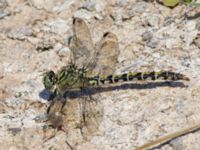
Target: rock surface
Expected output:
[34,38]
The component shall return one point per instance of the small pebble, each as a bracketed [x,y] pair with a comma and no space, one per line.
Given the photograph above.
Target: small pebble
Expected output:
[147,36]
[152,44]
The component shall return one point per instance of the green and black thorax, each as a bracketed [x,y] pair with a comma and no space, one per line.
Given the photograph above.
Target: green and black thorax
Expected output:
[69,77]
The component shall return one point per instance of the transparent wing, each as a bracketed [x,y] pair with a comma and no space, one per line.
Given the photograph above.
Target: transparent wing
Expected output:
[81,112]
[71,115]
[82,45]
[92,115]
[107,54]
[54,117]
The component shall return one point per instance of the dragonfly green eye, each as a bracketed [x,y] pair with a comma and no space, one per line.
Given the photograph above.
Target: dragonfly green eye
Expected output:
[49,80]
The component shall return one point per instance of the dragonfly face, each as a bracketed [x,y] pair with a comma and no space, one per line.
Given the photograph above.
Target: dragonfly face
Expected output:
[49,80]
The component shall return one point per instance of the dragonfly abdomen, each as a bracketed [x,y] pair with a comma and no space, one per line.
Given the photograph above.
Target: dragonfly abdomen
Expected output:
[163,75]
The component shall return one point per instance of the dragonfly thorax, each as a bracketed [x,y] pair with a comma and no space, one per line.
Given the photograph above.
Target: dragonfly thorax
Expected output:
[69,77]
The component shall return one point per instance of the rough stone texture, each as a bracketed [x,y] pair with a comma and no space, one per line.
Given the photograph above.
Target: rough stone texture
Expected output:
[34,38]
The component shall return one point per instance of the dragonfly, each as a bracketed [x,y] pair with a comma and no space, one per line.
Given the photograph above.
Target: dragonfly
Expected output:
[91,66]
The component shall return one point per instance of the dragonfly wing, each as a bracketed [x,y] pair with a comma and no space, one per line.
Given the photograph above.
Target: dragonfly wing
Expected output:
[71,113]
[77,113]
[92,115]
[82,45]
[65,114]
[108,51]
[54,117]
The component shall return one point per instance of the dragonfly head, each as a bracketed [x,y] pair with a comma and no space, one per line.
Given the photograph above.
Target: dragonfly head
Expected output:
[49,80]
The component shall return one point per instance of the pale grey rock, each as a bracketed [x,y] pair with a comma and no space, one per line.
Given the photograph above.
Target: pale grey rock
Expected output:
[89,5]
[64,52]
[94,6]
[57,26]
[190,32]
[58,46]
[44,46]
[84,14]
[147,36]
[65,6]
[140,7]
[21,33]
[1,70]
[18,94]
[4,14]
[197,42]
[154,20]
[198,26]
[3,4]
[177,144]
[168,20]
[122,3]
[3,11]
[152,43]
[42,4]
[128,14]
[189,37]
[14,131]
[170,43]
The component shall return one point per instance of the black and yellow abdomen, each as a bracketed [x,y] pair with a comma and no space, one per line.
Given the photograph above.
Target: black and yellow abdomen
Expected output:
[163,75]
